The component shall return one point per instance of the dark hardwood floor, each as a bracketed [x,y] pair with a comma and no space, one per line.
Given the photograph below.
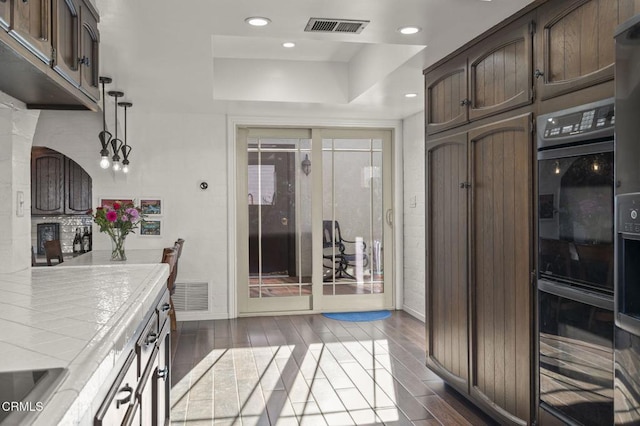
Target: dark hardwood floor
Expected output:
[310,370]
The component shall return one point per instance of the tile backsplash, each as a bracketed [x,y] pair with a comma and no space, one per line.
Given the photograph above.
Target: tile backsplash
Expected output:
[68,225]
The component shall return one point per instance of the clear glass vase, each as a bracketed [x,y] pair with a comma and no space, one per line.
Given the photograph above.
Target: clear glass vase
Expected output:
[117,245]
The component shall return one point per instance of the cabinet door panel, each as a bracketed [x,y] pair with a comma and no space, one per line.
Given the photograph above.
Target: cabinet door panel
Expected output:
[31,26]
[47,183]
[78,187]
[446,89]
[501,161]
[627,9]
[500,72]
[577,47]
[447,300]
[89,53]
[5,14]
[66,40]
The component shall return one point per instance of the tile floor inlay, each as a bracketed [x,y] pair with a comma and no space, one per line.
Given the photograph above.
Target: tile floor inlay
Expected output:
[309,370]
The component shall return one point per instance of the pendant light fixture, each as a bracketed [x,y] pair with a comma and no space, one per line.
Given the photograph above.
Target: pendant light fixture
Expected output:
[104,135]
[116,144]
[126,148]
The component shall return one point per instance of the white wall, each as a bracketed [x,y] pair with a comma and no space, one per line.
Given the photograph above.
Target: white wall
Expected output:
[414,215]
[171,155]
[17,126]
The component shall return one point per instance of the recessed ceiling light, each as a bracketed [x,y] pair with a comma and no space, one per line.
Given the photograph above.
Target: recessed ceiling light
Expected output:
[257,21]
[288,44]
[409,30]
[410,95]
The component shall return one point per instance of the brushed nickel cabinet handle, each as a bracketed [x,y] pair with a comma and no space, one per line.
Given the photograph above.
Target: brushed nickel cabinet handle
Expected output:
[126,399]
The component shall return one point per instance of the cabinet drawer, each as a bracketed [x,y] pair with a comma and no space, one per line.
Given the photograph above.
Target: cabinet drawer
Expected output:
[162,309]
[146,342]
[119,401]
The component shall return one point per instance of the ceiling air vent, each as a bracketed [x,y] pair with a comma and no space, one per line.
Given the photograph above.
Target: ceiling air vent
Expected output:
[335,25]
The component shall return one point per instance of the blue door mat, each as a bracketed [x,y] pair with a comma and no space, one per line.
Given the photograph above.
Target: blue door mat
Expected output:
[359,316]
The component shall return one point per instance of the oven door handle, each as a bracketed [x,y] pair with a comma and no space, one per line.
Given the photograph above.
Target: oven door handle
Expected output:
[582,296]
[551,153]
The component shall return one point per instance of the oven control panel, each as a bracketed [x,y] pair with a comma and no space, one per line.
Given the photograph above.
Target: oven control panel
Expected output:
[628,212]
[581,122]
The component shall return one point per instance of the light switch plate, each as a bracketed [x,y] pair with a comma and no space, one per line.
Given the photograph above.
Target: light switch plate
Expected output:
[20,203]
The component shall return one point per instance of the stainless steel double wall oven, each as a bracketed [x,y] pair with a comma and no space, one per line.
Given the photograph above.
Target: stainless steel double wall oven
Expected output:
[576,263]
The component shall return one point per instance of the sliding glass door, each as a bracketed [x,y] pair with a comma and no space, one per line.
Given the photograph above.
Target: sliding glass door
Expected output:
[314,220]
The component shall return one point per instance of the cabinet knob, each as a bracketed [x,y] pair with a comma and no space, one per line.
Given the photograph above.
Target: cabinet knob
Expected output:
[128,390]
[537,74]
[84,61]
[151,339]
[465,102]
[163,373]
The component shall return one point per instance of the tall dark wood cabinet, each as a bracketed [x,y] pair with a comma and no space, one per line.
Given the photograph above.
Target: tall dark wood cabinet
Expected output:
[448,292]
[58,184]
[479,222]
[501,227]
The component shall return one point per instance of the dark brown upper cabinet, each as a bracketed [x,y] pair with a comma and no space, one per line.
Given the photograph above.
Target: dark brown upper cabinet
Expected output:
[493,76]
[446,95]
[37,36]
[47,182]
[78,188]
[31,26]
[89,52]
[500,71]
[58,184]
[575,43]
[66,38]
[77,40]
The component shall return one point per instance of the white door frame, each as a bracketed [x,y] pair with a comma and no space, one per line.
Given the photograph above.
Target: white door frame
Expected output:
[233,122]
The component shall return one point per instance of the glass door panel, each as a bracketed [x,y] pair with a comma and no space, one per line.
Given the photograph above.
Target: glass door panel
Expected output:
[277,216]
[354,204]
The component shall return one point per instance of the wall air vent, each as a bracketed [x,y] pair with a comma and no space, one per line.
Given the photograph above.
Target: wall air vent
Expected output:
[191,297]
[335,25]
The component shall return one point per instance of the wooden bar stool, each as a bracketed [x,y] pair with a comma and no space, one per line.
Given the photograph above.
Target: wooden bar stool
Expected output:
[53,250]
[170,257]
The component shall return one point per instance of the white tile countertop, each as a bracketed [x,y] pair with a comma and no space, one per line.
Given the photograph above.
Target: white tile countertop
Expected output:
[103,257]
[78,318]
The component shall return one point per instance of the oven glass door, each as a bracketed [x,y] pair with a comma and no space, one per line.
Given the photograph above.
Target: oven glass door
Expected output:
[576,219]
[576,359]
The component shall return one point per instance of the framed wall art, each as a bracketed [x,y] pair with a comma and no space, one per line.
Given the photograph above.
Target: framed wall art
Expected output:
[108,201]
[151,228]
[151,206]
